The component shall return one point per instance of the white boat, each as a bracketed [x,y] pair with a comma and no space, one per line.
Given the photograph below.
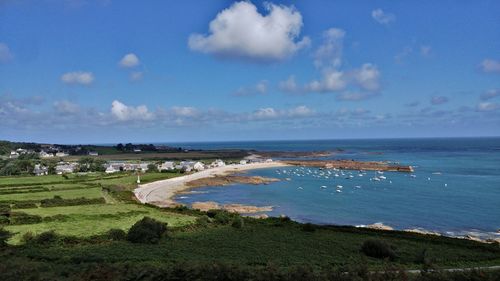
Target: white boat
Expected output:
[339,186]
[323,186]
[382,177]
[413,176]
[376,179]
[380,172]
[338,190]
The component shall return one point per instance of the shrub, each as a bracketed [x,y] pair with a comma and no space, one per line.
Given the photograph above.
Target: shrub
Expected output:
[222,217]
[4,220]
[4,209]
[203,221]
[46,237]
[378,249]
[147,230]
[116,234]
[24,205]
[308,227]
[27,237]
[58,201]
[23,218]
[4,236]
[237,222]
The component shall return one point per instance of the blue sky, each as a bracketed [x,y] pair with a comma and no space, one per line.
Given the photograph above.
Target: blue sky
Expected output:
[77,71]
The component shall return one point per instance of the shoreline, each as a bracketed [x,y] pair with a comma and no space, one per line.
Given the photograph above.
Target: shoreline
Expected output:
[161,193]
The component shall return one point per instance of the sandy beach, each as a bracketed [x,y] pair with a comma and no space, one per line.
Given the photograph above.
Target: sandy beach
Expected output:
[160,193]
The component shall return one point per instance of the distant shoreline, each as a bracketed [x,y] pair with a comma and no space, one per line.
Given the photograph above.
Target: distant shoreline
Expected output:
[161,193]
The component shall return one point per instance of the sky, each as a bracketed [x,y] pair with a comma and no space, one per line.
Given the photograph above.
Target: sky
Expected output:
[106,71]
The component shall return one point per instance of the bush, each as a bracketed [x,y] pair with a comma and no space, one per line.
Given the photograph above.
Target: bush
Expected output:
[203,221]
[378,249]
[46,237]
[23,218]
[27,237]
[4,236]
[237,222]
[147,230]
[24,205]
[222,217]
[4,220]
[58,201]
[116,234]
[308,227]
[4,209]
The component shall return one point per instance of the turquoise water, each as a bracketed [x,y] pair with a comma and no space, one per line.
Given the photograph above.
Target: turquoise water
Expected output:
[455,191]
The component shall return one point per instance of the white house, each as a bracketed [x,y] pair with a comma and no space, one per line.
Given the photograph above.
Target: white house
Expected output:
[40,170]
[44,154]
[61,154]
[217,163]
[65,168]
[110,169]
[243,162]
[13,155]
[198,166]
[93,153]
[166,166]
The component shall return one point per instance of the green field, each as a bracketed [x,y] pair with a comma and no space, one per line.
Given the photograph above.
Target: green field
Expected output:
[82,220]
[193,237]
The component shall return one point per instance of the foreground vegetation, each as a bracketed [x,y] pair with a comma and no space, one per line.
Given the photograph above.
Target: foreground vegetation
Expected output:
[55,229]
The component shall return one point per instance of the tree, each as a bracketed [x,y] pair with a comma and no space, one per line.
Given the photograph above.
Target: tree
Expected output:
[119,147]
[152,168]
[147,231]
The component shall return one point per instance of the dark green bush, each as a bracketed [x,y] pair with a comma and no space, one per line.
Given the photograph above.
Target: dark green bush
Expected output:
[222,217]
[23,218]
[116,234]
[4,220]
[378,249]
[24,205]
[44,238]
[203,221]
[4,236]
[147,230]
[4,209]
[58,201]
[237,222]
[308,227]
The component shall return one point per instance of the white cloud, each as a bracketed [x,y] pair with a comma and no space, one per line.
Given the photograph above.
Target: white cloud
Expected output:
[124,112]
[354,96]
[367,77]
[289,85]
[5,53]
[184,111]
[300,111]
[265,113]
[332,81]
[330,52]
[487,106]
[382,17]
[66,107]
[490,66]
[240,31]
[129,60]
[493,93]
[78,77]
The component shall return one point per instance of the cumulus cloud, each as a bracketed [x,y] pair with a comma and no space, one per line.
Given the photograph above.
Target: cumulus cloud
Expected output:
[268,113]
[78,77]
[493,93]
[437,100]
[259,88]
[289,85]
[240,31]
[5,53]
[367,77]
[184,111]
[382,17]
[331,81]
[129,60]
[124,112]
[490,66]
[487,106]
[330,51]
[66,107]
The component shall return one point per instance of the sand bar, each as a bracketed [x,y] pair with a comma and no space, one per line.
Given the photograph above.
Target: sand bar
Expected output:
[161,193]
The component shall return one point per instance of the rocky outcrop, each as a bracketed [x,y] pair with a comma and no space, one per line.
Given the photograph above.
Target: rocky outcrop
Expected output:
[234,208]
[352,165]
[227,180]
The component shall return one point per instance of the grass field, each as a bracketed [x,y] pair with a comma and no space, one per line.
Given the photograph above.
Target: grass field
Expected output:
[256,243]
[82,220]
[89,220]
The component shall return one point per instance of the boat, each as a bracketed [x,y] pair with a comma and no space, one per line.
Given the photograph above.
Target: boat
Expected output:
[382,177]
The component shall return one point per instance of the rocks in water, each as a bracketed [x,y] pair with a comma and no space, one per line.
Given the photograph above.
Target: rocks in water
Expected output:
[379,226]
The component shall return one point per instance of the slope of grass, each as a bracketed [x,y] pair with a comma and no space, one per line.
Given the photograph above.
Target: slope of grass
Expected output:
[65,194]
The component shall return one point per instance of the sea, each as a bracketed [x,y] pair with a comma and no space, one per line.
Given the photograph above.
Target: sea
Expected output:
[455,189]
